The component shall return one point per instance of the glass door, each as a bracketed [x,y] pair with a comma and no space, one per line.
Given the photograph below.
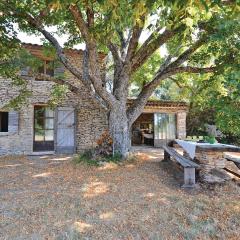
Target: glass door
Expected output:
[43,129]
[164,127]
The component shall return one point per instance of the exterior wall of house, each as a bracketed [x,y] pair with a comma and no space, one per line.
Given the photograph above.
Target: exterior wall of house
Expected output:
[91,120]
[181,124]
[181,113]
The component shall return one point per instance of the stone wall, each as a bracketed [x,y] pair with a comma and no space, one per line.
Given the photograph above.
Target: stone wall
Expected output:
[91,120]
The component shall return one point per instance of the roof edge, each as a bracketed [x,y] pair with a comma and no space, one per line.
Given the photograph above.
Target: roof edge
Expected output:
[162,103]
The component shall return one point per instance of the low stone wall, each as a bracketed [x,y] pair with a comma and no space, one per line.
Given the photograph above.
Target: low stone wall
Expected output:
[211,164]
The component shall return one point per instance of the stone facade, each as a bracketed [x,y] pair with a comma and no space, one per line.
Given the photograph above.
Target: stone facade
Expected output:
[91,120]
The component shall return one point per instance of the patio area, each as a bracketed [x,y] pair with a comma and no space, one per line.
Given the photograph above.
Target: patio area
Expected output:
[51,198]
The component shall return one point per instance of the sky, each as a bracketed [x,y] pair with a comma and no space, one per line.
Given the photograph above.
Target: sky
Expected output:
[26,38]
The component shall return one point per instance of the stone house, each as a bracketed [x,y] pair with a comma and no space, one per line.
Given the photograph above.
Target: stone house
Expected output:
[77,123]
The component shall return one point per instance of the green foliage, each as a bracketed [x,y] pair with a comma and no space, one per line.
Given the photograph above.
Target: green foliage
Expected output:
[213,99]
[58,93]
[17,102]
[146,73]
[90,157]
[204,92]
[209,139]
[86,157]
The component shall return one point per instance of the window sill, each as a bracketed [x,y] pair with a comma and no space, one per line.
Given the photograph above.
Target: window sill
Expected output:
[6,134]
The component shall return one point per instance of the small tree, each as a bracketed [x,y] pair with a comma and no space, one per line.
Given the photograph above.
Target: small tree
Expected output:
[199,35]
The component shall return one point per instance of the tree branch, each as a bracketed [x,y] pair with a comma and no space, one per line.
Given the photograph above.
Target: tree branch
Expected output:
[123,68]
[133,43]
[186,54]
[181,86]
[189,69]
[34,23]
[165,71]
[94,67]
[107,97]
[72,88]
[90,16]
[124,42]
[151,45]
[78,17]
[140,102]
[115,53]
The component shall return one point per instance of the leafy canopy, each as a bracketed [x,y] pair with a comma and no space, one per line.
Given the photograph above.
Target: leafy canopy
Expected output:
[216,21]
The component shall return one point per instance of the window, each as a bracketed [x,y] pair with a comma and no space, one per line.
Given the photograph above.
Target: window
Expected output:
[3,121]
[44,124]
[47,69]
[43,129]
[164,126]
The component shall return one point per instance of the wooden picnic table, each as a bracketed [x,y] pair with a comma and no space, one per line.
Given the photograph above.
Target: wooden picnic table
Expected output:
[210,157]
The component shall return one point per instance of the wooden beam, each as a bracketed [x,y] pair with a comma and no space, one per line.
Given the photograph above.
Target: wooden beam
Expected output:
[189,178]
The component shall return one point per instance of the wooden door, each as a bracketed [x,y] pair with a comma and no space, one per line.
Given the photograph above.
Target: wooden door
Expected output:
[65,130]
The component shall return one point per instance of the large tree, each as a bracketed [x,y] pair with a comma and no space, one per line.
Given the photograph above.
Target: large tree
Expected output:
[199,35]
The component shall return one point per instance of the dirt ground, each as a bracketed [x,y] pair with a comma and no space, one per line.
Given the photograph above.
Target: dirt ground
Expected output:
[51,198]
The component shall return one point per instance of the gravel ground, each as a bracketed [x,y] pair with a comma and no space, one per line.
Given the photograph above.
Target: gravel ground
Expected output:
[51,198]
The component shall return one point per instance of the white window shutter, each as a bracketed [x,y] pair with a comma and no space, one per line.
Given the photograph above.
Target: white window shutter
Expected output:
[13,121]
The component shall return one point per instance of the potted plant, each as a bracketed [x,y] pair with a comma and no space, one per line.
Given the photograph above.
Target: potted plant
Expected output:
[210,139]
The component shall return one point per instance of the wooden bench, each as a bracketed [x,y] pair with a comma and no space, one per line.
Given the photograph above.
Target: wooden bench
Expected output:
[188,165]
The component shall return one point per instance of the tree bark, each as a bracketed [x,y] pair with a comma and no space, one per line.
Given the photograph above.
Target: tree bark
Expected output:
[119,129]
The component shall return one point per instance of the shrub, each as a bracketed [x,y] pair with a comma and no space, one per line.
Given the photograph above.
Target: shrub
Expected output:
[87,157]
[102,153]
[91,158]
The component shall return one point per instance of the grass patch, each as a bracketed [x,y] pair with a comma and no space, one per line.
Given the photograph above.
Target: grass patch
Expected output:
[90,158]
[86,157]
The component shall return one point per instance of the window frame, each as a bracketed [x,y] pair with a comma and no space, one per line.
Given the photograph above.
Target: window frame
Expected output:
[44,129]
[162,132]
[45,74]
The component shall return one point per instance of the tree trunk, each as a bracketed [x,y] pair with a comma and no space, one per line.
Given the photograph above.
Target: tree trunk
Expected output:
[119,129]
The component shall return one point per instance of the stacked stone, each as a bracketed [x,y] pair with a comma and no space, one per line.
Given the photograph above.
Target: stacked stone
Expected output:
[212,164]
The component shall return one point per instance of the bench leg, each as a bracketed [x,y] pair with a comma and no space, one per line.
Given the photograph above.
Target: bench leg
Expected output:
[189,178]
[166,156]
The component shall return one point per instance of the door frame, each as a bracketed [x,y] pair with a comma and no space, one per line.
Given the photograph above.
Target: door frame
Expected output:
[161,142]
[33,133]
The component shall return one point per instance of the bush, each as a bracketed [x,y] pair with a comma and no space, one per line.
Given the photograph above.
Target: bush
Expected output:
[86,157]
[102,153]
[91,158]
